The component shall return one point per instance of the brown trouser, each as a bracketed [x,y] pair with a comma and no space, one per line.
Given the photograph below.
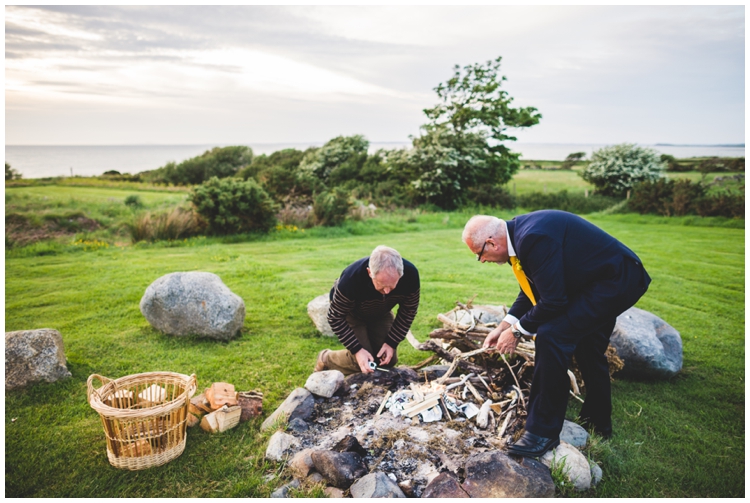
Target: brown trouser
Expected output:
[371,336]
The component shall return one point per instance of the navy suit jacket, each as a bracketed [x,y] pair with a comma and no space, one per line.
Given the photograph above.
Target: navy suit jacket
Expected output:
[575,269]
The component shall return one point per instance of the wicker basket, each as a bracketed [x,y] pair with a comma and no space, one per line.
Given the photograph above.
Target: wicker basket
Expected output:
[144,416]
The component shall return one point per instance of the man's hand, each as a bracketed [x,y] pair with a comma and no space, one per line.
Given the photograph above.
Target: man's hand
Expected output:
[385,354]
[363,359]
[507,342]
[492,338]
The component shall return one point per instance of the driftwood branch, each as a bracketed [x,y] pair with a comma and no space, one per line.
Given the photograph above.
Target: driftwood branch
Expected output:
[445,355]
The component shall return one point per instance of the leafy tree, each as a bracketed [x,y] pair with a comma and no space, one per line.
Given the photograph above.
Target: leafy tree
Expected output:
[220,162]
[11,174]
[231,205]
[615,170]
[278,173]
[572,159]
[462,145]
[331,208]
[338,160]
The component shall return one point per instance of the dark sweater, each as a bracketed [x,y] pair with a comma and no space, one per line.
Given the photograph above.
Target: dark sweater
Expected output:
[355,294]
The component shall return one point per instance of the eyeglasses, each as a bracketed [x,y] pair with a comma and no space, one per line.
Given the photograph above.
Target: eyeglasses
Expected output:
[479,256]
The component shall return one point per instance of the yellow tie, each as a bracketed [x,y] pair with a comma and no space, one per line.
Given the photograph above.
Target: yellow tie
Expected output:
[522,279]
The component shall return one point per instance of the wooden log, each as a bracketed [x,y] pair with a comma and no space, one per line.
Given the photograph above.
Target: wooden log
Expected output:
[445,355]
[382,404]
[420,407]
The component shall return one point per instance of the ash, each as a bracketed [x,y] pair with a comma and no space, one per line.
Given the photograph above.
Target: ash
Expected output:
[410,450]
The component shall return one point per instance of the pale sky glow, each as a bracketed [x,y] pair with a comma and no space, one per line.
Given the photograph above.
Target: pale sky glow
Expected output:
[102,75]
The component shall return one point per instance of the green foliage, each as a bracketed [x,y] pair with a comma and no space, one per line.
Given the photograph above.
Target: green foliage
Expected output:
[684,197]
[563,200]
[232,205]
[719,164]
[493,196]
[11,174]
[220,162]
[461,146]
[331,208]
[338,160]
[278,173]
[572,159]
[134,201]
[615,170]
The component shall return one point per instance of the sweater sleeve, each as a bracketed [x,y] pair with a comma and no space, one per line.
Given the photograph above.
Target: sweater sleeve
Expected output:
[407,310]
[340,307]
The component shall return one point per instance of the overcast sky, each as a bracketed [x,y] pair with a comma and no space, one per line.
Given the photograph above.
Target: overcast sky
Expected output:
[104,75]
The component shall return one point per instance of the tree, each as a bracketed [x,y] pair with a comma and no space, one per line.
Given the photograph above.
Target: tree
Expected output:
[462,145]
[572,159]
[220,162]
[615,170]
[338,160]
[11,174]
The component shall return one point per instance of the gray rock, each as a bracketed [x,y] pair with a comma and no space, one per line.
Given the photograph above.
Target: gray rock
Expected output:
[333,492]
[493,474]
[325,383]
[340,469]
[283,491]
[574,465]
[299,404]
[317,309]
[297,425]
[193,303]
[376,485]
[649,346]
[314,478]
[301,464]
[596,474]
[444,485]
[34,356]
[280,446]
[478,314]
[574,434]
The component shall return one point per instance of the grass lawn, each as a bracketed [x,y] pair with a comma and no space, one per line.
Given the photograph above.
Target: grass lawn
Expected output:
[681,438]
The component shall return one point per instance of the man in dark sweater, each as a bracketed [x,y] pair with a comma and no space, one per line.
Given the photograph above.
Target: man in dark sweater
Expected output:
[360,313]
[575,280]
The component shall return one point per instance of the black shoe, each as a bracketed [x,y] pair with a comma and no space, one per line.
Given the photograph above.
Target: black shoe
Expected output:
[532,446]
[605,433]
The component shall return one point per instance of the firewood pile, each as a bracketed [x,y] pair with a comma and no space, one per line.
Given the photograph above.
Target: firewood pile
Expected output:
[220,407]
[491,388]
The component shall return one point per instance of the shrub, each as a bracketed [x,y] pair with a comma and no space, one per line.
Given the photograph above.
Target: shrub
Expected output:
[331,208]
[574,203]
[492,195]
[178,223]
[340,159]
[296,214]
[232,205]
[722,204]
[220,162]
[134,201]
[683,197]
[572,159]
[615,170]
[652,197]
[11,174]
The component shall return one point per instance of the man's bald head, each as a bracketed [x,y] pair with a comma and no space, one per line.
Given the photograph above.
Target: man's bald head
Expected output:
[481,227]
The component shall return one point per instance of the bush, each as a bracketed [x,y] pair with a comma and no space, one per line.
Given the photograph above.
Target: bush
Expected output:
[615,170]
[296,214]
[492,195]
[219,162]
[331,208]
[11,174]
[340,159]
[683,197]
[232,205]
[176,224]
[133,201]
[574,203]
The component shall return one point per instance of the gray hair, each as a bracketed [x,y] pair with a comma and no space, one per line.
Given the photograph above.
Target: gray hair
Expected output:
[385,258]
[481,227]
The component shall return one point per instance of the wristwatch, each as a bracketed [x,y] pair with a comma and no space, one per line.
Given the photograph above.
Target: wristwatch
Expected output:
[516,333]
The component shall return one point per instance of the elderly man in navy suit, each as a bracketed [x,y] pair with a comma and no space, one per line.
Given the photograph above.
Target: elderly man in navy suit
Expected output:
[575,280]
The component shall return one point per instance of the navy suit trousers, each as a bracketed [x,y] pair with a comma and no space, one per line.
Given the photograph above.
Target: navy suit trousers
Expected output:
[558,340]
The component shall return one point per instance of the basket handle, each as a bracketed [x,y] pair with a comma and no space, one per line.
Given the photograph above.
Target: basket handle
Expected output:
[192,386]
[90,385]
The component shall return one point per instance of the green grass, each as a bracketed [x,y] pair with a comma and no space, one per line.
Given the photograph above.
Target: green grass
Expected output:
[537,180]
[679,438]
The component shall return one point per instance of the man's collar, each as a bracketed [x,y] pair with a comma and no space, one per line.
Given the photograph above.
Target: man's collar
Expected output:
[511,250]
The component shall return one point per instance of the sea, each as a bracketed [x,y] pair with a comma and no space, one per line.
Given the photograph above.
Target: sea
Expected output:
[39,161]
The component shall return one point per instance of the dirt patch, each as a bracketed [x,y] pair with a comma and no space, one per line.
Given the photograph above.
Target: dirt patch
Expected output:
[23,231]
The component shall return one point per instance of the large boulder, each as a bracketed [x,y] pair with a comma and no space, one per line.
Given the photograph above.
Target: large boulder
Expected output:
[649,346]
[33,356]
[325,383]
[444,485]
[478,314]
[280,446]
[193,303]
[317,309]
[574,465]
[493,474]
